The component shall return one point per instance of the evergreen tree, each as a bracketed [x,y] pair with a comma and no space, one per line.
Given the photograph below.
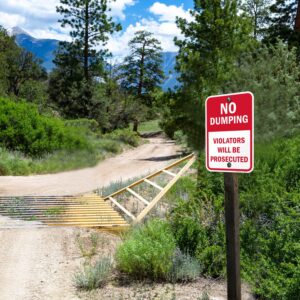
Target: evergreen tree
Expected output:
[20,71]
[68,90]
[142,72]
[282,23]
[79,65]
[258,10]
[272,74]
[90,26]
[207,58]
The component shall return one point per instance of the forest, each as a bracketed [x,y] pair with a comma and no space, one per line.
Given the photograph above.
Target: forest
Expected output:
[86,109]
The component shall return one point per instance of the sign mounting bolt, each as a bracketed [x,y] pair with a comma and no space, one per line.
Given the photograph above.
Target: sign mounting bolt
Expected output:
[229,165]
[228,99]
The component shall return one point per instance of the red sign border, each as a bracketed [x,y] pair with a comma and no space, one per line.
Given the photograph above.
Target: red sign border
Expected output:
[251,138]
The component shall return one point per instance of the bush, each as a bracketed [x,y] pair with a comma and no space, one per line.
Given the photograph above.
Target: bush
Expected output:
[184,267]
[126,136]
[147,251]
[94,276]
[88,125]
[270,231]
[23,129]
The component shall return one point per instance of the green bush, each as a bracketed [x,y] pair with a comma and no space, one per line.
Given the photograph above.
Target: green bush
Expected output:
[147,251]
[93,277]
[84,124]
[23,129]
[270,223]
[127,136]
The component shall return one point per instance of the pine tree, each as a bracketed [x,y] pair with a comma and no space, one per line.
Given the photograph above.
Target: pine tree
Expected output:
[207,58]
[79,64]
[90,26]
[19,67]
[282,23]
[258,10]
[272,74]
[141,72]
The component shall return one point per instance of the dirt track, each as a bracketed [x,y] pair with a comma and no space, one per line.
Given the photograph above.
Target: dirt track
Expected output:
[148,157]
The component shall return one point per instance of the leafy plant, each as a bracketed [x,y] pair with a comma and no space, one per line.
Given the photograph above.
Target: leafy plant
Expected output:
[126,136]
[22,128]
[147,251]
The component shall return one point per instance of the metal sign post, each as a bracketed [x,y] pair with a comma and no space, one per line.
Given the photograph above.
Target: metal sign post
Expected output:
[229,126]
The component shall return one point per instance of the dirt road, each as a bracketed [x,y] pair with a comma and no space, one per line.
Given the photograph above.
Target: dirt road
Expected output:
[146,158]
[37,263]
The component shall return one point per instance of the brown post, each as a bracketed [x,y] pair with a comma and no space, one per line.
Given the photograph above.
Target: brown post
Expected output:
[232,220]
[297,21]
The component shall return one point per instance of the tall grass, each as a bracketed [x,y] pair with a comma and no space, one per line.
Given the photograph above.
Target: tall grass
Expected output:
[16,163]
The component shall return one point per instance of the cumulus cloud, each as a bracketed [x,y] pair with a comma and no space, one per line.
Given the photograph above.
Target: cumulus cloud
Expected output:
[118,7]
[162,25]
[40,19]
[10,20]
[168,13]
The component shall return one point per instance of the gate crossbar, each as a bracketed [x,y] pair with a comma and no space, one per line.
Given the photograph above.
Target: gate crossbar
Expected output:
[163,190]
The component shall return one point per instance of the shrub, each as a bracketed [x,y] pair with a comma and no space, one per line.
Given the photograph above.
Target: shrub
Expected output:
[94,276]
[84,124]
[147,251]
[184,267]
[126,136]
[23,129]
[270,231]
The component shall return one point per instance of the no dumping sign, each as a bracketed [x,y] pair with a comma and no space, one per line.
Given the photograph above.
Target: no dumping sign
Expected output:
[229,124]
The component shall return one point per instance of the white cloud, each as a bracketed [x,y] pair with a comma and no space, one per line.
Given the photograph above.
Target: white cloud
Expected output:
[168,13]
[118,7]
[10,20]
[164,29]
[40,19]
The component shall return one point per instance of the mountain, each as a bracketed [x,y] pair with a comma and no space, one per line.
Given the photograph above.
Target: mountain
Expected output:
[44,49]
[169,61]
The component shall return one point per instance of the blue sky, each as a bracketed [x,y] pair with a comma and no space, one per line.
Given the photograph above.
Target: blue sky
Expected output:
[39,18]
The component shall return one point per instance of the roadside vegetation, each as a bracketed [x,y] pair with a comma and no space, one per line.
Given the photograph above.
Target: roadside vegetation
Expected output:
[189,242]
[31,142]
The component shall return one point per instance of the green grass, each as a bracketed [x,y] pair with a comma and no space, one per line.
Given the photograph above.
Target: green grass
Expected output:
[149,126]
[54,211]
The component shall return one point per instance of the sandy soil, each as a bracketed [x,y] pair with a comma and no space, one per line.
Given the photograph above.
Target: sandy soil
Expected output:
[142,160]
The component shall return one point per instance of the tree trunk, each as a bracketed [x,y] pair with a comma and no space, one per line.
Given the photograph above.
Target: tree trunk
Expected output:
[297,21]
[141,80]
[86,42]
[135,125]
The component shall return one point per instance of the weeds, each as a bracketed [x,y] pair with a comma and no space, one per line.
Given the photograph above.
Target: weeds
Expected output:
[54,211]
[184,267]
[88,250]
[204,296]
[117,185]
[96,276]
